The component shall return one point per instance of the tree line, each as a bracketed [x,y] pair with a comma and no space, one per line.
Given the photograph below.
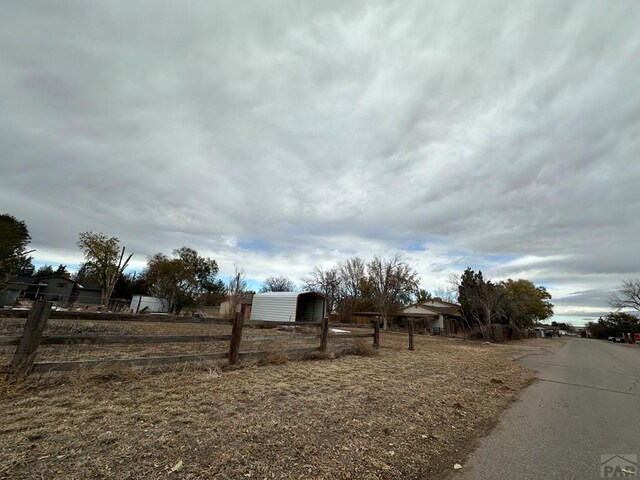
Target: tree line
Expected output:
[625,317]
[383,284]
[516,302]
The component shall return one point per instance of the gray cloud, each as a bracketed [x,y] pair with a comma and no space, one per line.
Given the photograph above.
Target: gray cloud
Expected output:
[487,135]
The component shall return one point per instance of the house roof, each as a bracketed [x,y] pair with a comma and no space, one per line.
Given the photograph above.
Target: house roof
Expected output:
[97,288]
[455,311]
[26,279]
[438,299]
[60,277]
[428,309]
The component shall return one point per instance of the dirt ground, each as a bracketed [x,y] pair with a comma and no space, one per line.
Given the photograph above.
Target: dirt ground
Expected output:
[399,414]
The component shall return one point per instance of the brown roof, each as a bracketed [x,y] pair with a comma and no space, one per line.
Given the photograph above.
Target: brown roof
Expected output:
[454,311]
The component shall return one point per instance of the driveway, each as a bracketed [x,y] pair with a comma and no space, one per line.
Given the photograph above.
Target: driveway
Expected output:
[586,403]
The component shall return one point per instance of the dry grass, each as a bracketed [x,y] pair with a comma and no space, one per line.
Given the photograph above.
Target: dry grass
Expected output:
[66,353]
[398,414]
[362,349]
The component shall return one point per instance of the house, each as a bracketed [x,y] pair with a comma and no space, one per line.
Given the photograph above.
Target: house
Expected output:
[17,287]
[244,306]
[61,289]
[55,288]
[438,316]
[288,307]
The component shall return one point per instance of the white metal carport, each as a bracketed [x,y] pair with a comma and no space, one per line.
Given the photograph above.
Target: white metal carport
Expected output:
[288,307]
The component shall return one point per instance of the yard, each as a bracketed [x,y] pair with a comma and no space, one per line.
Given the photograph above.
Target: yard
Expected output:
[399,414]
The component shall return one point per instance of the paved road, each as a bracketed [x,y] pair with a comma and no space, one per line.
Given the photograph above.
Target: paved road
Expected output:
[585,404]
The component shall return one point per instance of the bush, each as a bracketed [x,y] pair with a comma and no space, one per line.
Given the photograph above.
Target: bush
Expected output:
[476,334]
[497,334]
[512,332]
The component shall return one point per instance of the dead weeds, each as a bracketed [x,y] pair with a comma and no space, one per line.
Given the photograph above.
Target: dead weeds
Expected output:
[398,414]
[362,349]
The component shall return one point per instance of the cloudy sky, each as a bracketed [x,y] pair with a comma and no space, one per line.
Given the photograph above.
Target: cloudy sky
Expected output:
[283,135]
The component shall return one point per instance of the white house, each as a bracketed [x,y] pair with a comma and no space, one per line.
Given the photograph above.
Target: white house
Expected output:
[433,312]
[288,307]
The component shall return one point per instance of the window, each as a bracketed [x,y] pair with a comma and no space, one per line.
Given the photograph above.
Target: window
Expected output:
[61,285]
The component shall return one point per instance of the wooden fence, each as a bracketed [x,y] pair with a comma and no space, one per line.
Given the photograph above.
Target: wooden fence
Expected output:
[27,344]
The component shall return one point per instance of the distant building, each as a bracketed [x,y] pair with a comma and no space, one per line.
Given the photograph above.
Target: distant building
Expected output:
[244,306]
[56,288]
[437,315]
[59,288]
[16,288]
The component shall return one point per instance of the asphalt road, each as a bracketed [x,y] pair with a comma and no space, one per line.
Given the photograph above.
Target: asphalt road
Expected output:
[585,404]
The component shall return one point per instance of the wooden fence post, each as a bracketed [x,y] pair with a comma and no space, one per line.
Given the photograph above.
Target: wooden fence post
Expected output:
[236,337]
[410,328]
[25,355]
[324,335]
[376,333]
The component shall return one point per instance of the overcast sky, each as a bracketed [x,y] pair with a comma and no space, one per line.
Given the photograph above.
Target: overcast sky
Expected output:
[283,135]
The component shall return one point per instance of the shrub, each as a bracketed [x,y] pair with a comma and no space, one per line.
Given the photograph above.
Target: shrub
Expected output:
[276,357]
[513,333]
[362,349]
[497,334]
[476,334]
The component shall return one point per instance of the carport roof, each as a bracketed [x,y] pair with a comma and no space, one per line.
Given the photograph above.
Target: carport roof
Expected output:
[287,294]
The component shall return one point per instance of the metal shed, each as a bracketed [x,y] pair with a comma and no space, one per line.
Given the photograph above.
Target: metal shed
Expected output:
[288,307]
[149,304]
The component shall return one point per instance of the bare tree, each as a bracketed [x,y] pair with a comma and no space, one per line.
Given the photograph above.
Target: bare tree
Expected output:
[628,296]
[236,288]
[353,278]
[352,273]
[324,281]
[278,284]
[446,294]
[103,254]
[491,302]
[393,281]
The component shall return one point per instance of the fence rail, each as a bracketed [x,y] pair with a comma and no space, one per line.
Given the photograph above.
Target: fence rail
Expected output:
[116,339]
[27,344]
[117,317]
[148,361]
